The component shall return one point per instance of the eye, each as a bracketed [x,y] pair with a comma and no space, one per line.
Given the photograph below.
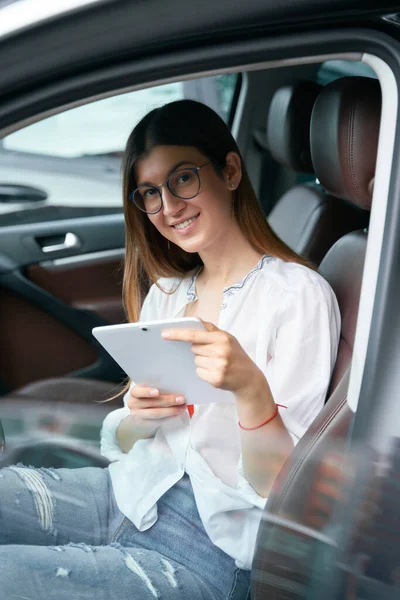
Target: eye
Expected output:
[183,178]
[149,193]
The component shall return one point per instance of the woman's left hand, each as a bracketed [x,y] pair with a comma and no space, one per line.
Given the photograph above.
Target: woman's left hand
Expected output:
[220,359]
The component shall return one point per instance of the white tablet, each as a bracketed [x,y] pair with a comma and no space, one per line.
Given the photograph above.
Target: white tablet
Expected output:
[150,360]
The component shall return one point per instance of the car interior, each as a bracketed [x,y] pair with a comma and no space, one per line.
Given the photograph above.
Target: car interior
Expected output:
[308,134]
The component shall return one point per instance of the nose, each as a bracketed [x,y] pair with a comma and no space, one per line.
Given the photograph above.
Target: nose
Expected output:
[171,204]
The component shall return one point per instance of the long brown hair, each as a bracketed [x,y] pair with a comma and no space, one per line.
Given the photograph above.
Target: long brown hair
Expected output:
[148,254]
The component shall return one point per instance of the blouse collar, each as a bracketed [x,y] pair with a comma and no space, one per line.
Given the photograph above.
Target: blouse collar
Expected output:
[232,289]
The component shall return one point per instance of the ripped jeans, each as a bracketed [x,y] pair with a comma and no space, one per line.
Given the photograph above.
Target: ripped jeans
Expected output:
[62,537]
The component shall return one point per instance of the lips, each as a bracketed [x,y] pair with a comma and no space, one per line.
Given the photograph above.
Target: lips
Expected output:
[184,224]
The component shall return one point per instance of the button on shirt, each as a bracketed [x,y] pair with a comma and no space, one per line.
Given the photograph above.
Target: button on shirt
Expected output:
[286,317]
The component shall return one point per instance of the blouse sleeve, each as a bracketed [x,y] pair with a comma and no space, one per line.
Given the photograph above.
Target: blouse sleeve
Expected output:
[300,369]
[306,346]
[108,438]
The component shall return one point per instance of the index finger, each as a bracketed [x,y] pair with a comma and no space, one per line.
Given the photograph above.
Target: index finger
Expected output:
[188,335]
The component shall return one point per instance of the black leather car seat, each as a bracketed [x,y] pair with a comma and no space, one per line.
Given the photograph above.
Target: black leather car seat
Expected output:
[344,135]
[307,218]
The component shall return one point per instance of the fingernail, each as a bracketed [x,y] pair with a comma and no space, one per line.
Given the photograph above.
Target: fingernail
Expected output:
[165,335]
[179,399]
[153,392]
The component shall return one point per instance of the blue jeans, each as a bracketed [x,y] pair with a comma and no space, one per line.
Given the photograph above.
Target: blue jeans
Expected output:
[62,537]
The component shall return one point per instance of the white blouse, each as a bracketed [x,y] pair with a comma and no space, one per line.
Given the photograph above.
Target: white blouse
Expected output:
[286,317]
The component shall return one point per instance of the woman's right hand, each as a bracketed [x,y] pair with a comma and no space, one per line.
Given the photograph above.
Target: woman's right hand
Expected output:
[147,405]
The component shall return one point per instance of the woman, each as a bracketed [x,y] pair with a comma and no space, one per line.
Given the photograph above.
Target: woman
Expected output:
[176,514]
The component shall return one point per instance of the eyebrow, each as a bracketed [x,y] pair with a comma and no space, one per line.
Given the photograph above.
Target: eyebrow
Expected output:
[174,168]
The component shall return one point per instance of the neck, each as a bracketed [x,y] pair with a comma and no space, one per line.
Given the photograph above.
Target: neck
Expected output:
[229,259]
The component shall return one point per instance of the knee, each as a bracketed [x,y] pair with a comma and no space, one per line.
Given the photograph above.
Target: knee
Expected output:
[25,495]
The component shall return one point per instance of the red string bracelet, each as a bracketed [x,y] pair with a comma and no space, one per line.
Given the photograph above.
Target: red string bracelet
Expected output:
[264,422]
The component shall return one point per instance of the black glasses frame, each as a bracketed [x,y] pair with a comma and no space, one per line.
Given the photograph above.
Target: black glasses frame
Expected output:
[167,184]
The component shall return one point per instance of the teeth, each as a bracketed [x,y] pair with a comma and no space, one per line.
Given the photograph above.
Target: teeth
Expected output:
[185,223]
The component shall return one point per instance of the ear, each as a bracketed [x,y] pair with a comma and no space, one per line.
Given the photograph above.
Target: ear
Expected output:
[232,170]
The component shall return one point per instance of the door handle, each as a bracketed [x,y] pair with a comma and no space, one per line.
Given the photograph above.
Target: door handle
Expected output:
[70,242]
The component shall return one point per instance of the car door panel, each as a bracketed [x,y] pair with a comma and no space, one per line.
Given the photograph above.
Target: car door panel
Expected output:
[35,345]
[93,283]
[23,245]
[50,301]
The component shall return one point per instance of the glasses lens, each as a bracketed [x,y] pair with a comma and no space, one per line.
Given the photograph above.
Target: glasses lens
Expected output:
[184,183]
[147,199]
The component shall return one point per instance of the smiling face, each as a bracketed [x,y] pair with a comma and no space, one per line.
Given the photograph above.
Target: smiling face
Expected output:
[201,222]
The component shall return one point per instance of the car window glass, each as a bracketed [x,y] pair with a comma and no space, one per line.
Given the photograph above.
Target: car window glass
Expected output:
[334,69]
[98,129]
[69,165]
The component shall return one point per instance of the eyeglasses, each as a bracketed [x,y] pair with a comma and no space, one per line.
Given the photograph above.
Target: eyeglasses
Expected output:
[184,184]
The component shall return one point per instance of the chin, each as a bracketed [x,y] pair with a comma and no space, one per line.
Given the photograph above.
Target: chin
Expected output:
[190,246]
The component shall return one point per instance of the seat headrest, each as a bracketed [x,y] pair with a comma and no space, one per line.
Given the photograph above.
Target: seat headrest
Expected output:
[344,138]
[288,125]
